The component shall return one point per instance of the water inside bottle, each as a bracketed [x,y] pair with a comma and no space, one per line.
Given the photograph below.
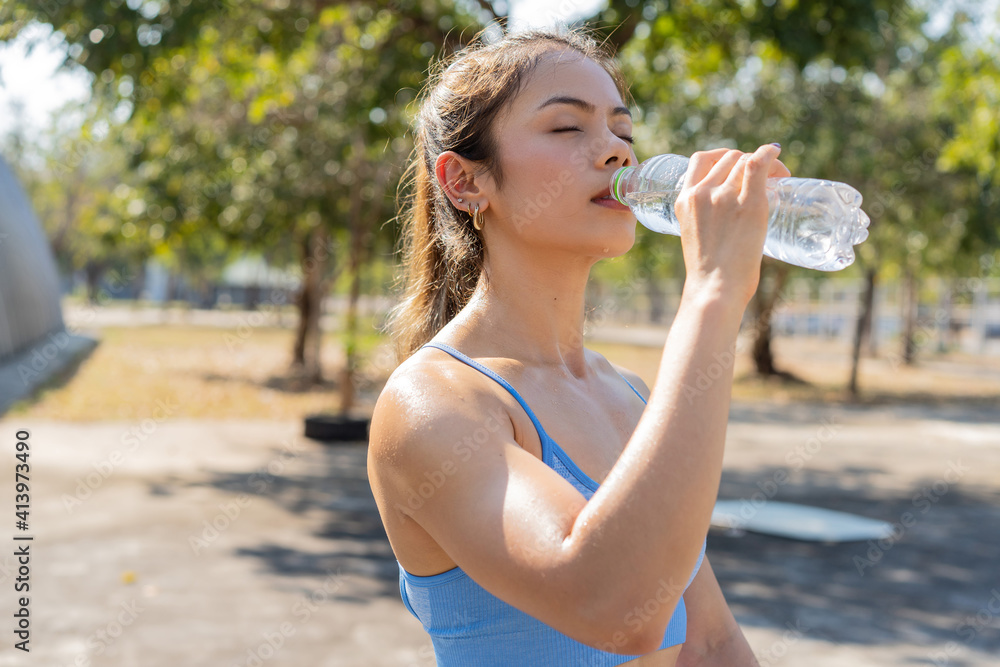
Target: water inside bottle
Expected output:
[655,210]
[799,231]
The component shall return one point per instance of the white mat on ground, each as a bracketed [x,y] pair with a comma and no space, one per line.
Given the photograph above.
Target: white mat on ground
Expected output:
[798,522]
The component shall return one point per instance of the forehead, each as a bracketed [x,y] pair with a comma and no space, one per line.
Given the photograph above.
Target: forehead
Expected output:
[569,74]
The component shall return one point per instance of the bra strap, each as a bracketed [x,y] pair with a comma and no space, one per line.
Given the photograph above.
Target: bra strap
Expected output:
[495,376]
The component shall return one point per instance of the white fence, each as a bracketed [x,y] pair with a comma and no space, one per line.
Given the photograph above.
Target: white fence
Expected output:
[958,314]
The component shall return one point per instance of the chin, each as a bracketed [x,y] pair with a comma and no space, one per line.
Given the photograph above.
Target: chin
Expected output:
[599,238]
[614,246]
[619,251]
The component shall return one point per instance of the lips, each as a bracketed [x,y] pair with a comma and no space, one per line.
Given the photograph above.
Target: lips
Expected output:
[605,199]
[604,194]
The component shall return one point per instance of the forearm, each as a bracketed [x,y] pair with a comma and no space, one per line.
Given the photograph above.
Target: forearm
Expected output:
[652,512]
[734,651]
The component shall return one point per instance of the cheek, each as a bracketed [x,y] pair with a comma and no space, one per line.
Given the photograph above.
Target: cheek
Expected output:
[540,177]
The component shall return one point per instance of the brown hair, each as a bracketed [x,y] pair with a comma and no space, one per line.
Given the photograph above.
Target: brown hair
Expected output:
[442,252]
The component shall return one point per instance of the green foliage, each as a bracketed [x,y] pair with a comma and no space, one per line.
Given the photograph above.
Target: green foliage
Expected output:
[73,185]
[249,124]
[968,98]
[226,126]
[848,100]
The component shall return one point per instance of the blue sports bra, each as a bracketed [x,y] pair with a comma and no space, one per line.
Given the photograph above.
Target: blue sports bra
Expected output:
[471,627]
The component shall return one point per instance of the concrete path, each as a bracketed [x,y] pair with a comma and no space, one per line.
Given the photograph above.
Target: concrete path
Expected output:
[224,544]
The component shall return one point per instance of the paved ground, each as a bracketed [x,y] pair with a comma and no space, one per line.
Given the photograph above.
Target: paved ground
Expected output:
[23,373]
[235,543]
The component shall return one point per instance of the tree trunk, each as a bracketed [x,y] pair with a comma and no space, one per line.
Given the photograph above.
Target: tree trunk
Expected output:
[302,303]
[909,316]
[206,294]
[251,296]
[869,335]
[946,313]
[347,392]
[358,233]
[306,350]
[67,223]
[864,328]
[764,303]
[172,283]
[93,272]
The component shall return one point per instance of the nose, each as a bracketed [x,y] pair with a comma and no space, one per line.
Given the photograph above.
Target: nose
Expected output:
[613,151]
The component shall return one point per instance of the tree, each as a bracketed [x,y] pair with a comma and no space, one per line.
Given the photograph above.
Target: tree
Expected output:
[742,74]
[264,126]
[72,179]
[967,97]
[281,128]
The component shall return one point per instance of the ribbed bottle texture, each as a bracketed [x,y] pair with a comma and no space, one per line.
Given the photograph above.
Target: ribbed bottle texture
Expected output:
[813,223]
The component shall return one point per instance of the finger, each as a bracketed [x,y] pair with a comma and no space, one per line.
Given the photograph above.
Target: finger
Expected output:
[778,170]
[758,166]
[723,168]
[734,179]
[701,163]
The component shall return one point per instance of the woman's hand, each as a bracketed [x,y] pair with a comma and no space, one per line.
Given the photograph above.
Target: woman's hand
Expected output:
[723,211]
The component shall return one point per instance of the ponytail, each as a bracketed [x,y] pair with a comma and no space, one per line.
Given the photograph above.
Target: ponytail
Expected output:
[443,259]
[443,254]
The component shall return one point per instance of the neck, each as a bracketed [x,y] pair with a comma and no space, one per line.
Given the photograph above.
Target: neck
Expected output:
[529,308]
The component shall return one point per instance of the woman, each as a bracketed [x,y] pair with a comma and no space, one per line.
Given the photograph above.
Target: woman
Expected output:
[580,542]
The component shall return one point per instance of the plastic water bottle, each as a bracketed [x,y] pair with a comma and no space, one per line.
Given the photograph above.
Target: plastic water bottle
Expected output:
[813,222]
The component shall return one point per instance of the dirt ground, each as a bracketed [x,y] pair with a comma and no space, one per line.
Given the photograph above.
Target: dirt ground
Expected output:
[197,526]
[239,542]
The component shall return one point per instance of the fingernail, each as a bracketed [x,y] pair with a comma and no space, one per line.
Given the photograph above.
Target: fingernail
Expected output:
[774,143]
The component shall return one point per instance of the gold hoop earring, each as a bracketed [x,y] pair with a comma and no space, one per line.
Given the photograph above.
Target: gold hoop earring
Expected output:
[477,221]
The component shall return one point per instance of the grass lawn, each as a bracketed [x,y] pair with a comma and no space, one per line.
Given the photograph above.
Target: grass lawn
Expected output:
[823,366]
[206,372]
[199,372]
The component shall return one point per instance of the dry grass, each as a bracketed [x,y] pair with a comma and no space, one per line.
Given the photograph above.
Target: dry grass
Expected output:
[823,366]
[198,372]
[204,372]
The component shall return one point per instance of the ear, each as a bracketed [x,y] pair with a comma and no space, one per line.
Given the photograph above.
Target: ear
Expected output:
[459,179]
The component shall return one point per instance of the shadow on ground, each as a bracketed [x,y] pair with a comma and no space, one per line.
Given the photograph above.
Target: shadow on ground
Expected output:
[959,409]
[26,377]
[294,381]
[935,582]
[338,489]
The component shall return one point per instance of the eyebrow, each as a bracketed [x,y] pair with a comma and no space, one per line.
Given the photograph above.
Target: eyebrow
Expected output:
[581,104]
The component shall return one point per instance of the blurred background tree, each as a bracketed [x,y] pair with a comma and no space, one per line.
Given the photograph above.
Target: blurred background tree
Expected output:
[217,128]
[257,126]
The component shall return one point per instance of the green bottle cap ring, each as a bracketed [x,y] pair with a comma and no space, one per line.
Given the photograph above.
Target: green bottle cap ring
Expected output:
[614,185]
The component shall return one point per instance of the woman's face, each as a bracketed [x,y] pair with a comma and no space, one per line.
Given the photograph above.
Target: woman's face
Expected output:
[560,141]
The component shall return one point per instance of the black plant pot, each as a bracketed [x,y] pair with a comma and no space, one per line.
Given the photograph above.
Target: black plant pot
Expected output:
[336,428]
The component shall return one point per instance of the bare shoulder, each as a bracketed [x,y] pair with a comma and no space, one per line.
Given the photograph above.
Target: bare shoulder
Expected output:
[426,392]
[455,488]
[428,404]
[629,375]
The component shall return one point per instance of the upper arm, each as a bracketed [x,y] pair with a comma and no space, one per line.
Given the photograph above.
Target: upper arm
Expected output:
[498,511]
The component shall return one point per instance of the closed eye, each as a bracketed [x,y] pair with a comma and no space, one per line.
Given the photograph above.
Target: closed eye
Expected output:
[630,140]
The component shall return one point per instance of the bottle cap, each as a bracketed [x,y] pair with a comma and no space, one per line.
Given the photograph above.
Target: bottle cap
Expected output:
[615,180]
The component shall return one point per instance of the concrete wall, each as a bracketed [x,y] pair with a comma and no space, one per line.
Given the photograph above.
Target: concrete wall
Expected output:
[29,282]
